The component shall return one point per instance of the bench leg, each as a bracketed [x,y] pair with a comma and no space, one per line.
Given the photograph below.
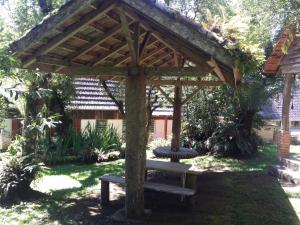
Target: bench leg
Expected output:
[104,193]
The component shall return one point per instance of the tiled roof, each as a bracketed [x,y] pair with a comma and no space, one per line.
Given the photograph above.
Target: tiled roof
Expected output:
[273,110]
[90,95]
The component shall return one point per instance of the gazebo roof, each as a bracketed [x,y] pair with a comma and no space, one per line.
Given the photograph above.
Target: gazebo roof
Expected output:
[87,36]
[288,63]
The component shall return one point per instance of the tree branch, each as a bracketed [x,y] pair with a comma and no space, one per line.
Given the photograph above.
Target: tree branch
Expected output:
[119,104]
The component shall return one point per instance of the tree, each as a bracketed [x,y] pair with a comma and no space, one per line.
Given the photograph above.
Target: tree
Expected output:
[153,101]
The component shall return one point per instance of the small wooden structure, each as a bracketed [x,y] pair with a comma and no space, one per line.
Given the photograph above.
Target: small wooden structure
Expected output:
[288,64]
[140,41]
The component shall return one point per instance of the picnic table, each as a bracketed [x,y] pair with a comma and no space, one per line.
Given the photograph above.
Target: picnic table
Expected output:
[170,167]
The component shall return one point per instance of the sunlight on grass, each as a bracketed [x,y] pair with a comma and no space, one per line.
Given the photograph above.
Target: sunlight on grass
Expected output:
[266,156]
[47,184]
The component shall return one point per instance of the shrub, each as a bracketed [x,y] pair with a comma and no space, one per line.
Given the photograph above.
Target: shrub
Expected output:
[160,142]
[88,146]
[232,140]
[16,174]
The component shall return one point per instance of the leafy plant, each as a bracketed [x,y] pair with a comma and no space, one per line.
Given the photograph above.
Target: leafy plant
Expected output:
[16,146]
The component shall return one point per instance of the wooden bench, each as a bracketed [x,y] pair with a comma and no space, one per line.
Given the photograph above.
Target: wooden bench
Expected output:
[106,179]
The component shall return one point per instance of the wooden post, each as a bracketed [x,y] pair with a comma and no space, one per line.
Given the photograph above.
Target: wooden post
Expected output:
[285,123]
[176,128]
[135,103]
[285,136]
[104,193]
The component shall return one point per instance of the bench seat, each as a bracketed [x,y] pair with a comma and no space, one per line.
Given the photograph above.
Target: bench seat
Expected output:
[106,179]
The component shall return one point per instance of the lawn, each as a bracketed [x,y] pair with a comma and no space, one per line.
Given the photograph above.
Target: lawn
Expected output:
[243,194]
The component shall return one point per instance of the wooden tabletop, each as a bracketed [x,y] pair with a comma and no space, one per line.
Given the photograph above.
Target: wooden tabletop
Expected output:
[167,166]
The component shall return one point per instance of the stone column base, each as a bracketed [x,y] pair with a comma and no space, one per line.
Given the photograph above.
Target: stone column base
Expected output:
[283,144]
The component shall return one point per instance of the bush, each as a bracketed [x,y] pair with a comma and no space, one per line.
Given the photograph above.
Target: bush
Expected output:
[88,146]
[232,140]
[16,174]
[160,142]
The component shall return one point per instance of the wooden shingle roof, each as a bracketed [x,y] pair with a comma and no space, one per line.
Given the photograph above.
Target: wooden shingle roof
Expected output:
[281,62]
[87,34]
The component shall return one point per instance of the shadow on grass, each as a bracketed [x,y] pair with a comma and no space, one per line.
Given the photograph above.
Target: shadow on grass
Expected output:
[228,198]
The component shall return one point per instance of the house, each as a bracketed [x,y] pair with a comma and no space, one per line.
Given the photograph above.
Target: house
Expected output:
[272,114]
[92,105]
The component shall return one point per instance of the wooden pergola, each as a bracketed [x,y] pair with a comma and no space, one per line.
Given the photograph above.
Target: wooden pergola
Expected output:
[140,41]
[288,64]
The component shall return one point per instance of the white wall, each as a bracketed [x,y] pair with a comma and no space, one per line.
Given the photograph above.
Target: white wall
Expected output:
[118,124]
[5,134]
[84,124]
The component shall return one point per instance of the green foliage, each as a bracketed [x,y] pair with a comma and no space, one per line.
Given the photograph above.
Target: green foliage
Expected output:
[196,9]
[160,142]
[203,114]
[91,145]
[15,148]
[16,175]
[222,120]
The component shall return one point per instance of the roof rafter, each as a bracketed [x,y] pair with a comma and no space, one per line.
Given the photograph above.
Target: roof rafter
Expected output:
[100,39]
[69,32]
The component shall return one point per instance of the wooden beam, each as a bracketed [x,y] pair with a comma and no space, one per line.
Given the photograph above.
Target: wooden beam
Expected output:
[183,49]
[149,71]
[69,32]
[201,83]
[152,53]
[216,68]
[144,44]
[176,127]
[176,60]
[127,34]
[183,32]
[237,75]
[100,39]
[174,71]
[169,99]
[286,105]
[50,24]
[126,57]
[166,62]
[190,96]
[136,42]
[95,71]
[55,61]
[159,58]
[136,136]
[109,54]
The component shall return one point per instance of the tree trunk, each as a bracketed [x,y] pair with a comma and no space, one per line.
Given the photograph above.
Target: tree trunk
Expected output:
[135,103]
[285,123]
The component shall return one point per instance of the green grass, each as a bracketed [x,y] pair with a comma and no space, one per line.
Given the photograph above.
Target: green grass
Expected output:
[266,156]
[62,187]
[243,195]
